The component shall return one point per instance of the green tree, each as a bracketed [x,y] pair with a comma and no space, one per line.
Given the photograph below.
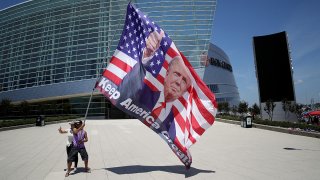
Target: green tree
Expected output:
[223,107]
[269,108]
[226,107]
[243,107]
[234,109]
[255,109]
[297,109]
[285,107]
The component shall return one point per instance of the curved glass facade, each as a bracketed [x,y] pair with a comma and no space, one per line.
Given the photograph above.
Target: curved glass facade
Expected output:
[219,77]
[48,42]
[54,49]
[188,23]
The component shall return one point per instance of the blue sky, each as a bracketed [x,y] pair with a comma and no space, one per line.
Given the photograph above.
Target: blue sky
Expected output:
[7,3]
[237,21]
[235,24]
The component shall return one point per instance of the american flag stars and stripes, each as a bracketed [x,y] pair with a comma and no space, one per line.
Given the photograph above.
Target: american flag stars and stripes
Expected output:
[130,50]
[193,113]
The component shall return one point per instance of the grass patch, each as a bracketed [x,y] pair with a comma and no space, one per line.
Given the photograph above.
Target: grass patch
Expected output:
[32,120]
[283,124]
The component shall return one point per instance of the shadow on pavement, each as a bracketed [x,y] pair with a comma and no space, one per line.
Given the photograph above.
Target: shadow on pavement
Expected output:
[290,148]
[177,169]
[78,170]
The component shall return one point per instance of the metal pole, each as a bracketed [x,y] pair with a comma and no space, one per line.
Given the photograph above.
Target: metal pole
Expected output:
[85,117]
[108,50]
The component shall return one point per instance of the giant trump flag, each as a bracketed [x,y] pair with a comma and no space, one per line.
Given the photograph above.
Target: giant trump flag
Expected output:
[150,79]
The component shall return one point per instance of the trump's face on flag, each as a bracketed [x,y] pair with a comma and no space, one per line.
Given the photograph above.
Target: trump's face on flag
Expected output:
[177,80]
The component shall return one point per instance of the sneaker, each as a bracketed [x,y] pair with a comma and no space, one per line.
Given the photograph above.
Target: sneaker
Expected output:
[67,174]
[88,170]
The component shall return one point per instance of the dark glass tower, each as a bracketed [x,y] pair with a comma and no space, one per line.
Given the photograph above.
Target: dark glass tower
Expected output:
[274,74]
[273,67]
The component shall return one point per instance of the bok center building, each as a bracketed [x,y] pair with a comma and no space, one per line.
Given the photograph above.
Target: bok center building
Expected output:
[53,51]
[218,75]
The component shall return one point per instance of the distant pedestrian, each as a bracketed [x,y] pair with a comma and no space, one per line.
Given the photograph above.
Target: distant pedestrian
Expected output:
[316,120]
[69,141]
[79,138]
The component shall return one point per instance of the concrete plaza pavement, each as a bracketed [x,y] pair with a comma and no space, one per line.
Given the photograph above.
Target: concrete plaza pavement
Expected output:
[126,149]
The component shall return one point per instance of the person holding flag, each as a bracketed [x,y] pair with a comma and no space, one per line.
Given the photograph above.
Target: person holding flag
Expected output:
[79,138]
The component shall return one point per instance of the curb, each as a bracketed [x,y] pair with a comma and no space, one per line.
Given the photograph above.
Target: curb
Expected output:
[274,128]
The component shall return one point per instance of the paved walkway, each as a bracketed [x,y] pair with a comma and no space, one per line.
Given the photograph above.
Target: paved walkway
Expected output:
[126,149]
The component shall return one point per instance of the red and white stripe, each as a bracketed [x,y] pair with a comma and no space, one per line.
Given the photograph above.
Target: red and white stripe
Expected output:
[195,112]
[119,66]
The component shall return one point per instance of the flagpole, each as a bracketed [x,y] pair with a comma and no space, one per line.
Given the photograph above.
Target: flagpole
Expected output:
[108,50]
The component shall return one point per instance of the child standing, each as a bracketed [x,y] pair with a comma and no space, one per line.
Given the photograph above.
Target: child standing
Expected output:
[69,143]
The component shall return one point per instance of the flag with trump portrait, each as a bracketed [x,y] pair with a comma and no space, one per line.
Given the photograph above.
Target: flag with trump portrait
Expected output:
[150,79]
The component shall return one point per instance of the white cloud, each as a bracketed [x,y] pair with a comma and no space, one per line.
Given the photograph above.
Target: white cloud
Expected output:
[299,81]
